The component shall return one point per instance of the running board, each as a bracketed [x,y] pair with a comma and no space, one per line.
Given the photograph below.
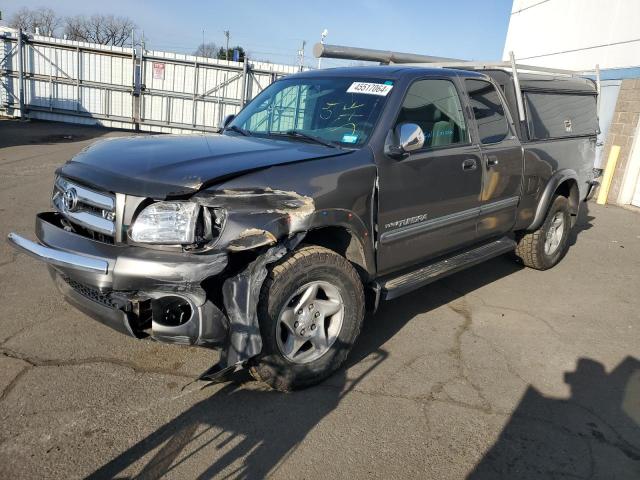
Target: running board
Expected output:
[407,282]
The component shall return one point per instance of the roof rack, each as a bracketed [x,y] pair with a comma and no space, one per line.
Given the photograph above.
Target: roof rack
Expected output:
[389,57]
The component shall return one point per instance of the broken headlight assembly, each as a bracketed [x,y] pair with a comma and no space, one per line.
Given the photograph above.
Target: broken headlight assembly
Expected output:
[177,223]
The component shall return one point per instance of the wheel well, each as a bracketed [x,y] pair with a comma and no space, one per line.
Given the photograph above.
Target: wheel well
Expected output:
[343,242]
[569,189]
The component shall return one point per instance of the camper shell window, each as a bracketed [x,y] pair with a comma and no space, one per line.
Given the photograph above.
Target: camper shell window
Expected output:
[560,115]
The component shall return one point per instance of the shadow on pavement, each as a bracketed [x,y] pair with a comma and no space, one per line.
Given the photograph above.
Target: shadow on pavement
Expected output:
[258,429]
[16,132]
[583,222]
[593,434]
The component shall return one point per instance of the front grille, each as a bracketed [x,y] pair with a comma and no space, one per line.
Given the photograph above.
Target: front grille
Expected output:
[92,213]
[90,293]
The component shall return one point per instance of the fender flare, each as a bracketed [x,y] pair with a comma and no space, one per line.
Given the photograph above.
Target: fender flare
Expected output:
[353,224]
[547,195]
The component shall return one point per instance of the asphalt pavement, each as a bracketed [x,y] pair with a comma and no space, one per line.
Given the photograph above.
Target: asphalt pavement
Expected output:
[496,372]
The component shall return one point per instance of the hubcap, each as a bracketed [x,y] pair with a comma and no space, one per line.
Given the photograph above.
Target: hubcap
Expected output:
[554,234]
[310,322]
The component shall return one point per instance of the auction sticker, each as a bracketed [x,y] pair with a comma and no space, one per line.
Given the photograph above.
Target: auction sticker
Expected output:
[379,89]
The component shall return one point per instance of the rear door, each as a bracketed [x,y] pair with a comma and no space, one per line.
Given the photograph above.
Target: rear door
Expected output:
[429,201]
[502,159]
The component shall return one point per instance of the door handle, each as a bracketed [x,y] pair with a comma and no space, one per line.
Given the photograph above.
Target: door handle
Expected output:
[492,161]
[469,164]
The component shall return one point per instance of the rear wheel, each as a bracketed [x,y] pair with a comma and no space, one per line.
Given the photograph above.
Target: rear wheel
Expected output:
[310,311]
[545,247]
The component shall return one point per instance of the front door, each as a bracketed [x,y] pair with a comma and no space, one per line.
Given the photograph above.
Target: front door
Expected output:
[428,202]
[502,160]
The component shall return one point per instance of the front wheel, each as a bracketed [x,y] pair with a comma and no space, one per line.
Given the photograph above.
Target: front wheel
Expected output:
[310,311]
[545,247]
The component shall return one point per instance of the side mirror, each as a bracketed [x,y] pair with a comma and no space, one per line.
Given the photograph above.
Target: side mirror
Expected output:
[405,138]
[227,120]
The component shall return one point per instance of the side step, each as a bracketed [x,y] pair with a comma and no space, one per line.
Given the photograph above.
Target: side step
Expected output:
[407,282]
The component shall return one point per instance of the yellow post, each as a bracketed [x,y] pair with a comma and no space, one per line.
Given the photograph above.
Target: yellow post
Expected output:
[608,174]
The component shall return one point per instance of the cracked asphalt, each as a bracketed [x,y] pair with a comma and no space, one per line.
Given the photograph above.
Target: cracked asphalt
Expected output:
[496,372]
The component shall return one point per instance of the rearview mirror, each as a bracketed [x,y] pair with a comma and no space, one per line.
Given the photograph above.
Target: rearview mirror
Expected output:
[227,120]
[403,139]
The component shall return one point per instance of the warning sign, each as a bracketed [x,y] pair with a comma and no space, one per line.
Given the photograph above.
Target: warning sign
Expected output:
[158,71]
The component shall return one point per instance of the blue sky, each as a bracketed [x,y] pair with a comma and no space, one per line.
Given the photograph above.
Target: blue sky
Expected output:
[274,30]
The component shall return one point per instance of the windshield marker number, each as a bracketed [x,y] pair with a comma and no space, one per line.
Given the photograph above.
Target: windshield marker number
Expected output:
[379,89]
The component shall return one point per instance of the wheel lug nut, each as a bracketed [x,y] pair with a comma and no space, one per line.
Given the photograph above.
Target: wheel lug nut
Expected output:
[317,314]
[295,325]
[313,326]
[302,332]
[300,312]
[311,307]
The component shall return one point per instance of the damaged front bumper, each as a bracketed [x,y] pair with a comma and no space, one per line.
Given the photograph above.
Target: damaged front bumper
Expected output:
[135,290]
[154,293]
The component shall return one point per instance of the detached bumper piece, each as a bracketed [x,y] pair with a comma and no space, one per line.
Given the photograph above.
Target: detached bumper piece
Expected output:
[241,294]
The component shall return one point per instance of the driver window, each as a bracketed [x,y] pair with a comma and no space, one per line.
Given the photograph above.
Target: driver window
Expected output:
[434,105]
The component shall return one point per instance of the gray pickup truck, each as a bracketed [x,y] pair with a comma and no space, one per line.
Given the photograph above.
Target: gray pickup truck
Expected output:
[331,191]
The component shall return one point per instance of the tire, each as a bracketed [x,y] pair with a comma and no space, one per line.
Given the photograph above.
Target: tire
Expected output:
[336,280]
[531,245]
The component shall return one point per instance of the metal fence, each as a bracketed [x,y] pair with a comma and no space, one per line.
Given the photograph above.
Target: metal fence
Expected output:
[62,80]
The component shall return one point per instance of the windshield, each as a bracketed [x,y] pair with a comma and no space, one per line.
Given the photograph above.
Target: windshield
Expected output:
[336,110]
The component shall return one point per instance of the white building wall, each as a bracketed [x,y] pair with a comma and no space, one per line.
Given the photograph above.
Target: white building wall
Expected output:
[575,34]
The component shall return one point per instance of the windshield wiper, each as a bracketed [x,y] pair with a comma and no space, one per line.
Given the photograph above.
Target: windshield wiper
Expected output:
[306,136]
[233,128]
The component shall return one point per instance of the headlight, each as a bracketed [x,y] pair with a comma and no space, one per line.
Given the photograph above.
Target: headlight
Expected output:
[169,223]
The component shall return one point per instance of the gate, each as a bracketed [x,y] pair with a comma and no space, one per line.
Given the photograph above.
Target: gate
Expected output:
[196,93]
[118,87]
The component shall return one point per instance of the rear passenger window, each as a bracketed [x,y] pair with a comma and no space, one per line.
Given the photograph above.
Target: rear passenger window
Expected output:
[488,111]
[434,105]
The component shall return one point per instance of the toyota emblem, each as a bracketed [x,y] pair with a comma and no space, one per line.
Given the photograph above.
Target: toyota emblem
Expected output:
[70,200]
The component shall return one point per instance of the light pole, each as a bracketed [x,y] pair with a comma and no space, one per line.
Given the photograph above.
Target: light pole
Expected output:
[226,52]
[323,35]
[301,55]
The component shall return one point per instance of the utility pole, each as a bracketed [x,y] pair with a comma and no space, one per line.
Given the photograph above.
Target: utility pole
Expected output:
[323,35]
[23,112]
[226,52]
[301,55]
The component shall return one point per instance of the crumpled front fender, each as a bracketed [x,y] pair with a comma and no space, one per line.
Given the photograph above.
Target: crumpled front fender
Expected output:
[257,217]
[241,294]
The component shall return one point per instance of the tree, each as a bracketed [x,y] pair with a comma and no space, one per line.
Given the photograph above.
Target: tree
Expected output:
[42,19]
[222,55]
[103,29]
[209,50]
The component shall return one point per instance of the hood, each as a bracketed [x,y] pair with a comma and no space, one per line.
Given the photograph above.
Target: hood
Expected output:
[161,166]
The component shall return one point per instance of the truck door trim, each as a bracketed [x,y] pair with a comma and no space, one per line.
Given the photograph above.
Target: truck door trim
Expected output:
[428,225]
[447,220]
[499,205]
